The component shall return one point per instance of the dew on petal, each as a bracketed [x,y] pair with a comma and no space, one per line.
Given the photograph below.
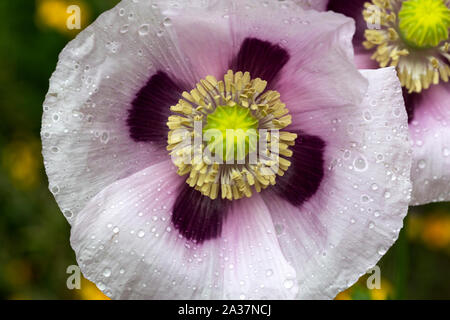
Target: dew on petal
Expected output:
[382,251]
[107,272]
[55,190]
[101,286]
[367,115]
[144,29]
[360,164]
[288,283]
[421,164]
[124,28]
[68,214]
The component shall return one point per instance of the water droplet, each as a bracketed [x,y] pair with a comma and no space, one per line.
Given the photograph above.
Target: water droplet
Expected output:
[367,116]
[68,214]
[107,272]
[55,189]
[360,164]
[104,137]
[144,29]
[347,154]
[167,22]
[387,195]
[288,284]
[446,152]
[116,230]
[269,272]
[279,229]
[124,28]
[101,286]
[421,164]
[374,187]
[141,233]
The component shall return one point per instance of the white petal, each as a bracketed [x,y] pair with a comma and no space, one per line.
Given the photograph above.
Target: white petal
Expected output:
[430,132]
[86,142]
[125,242]
[319,5]
[358,211]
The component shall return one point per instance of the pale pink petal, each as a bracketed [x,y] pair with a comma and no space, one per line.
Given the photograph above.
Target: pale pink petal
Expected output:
[358,211]
[86,141]
[203,34]
[257,267]
[320,51]
[319,5]
[125,242]
[119,194]
[430,133]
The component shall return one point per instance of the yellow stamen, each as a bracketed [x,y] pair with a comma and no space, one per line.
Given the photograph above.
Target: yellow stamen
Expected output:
[424,23]
[415,45]
[237,103]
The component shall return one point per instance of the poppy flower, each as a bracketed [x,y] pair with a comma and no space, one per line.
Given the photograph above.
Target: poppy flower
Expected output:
[119,123]
[412,36]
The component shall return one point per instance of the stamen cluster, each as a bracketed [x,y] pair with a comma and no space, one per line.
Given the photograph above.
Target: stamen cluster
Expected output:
[242,104]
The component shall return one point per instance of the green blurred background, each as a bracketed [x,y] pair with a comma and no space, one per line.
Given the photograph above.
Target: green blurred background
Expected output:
[34,236]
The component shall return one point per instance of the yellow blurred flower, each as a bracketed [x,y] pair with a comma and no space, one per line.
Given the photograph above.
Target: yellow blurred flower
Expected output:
[414,226]
[22,160]
[384,293]
[344,295]
[89,291]
[19,296]
[436,231]
[18,272]
[57,14]
[360,291]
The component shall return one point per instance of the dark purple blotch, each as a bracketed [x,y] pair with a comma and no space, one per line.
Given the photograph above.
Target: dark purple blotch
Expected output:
[198,217]
[262,59]
[150,109]
[303,178]
[412,100]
